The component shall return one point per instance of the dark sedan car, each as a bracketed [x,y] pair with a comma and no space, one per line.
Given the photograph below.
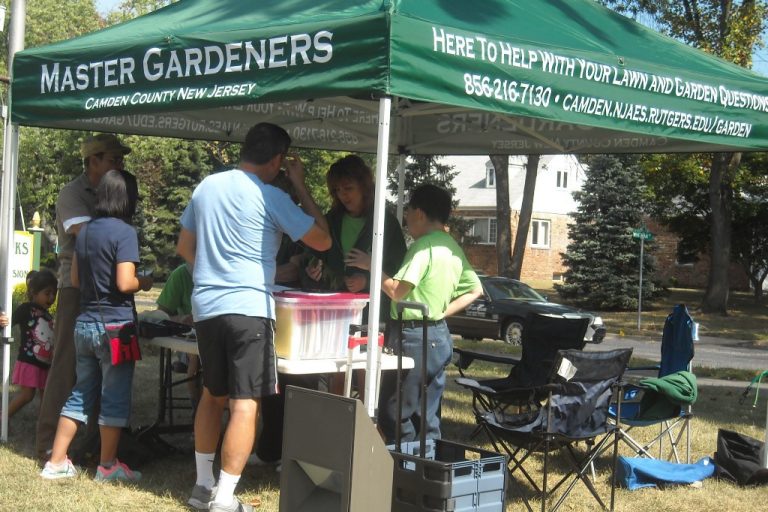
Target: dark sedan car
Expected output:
[500,313]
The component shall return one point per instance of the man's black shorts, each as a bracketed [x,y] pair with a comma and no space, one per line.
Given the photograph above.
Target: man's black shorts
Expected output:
[237,353]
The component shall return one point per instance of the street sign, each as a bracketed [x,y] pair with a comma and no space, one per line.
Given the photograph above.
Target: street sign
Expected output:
[642,234]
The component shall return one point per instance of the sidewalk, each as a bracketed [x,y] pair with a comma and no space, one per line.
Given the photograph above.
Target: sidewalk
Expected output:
[710,352]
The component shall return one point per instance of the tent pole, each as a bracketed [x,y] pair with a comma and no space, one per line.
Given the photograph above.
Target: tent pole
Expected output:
[10,170]
[379,206]
[400,187]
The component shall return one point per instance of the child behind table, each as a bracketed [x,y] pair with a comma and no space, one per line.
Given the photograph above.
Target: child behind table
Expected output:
[36,339]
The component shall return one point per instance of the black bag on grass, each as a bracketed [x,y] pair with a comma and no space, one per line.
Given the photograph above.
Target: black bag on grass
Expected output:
[737,459]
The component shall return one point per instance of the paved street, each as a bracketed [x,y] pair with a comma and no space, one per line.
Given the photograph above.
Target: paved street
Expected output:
[711,352]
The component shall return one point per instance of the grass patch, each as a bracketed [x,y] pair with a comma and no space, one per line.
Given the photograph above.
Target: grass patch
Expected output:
[168,480]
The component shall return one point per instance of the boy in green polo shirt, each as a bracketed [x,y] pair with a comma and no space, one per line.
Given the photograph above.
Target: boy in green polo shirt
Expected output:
[434,272]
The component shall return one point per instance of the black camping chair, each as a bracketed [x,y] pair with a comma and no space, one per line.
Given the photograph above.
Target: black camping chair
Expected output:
[646,408]
[571,407]
[543,336]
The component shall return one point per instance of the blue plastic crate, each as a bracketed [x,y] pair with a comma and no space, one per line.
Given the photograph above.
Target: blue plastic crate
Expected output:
[450,478]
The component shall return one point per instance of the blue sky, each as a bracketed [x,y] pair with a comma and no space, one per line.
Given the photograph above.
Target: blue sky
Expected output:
[761,59]
[105,6]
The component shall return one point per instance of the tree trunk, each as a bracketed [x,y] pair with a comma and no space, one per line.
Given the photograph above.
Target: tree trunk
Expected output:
[503,226]
[721,202]
[757,279]
[526,211]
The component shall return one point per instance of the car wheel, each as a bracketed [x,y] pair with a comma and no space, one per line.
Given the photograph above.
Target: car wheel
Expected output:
[512,331]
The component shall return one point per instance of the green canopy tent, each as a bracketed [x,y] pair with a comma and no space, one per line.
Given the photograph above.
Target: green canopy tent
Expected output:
[546,76]
[397,77]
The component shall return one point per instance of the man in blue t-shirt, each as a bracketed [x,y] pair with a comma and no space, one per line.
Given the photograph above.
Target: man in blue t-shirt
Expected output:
[230,235]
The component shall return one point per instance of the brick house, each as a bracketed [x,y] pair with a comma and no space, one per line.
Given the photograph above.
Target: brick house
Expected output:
[676,268]
[558,177]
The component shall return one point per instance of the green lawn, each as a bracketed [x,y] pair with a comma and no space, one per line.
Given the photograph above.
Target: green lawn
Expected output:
[168,479]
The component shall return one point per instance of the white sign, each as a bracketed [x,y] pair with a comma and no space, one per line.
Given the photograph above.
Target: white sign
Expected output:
[23,256]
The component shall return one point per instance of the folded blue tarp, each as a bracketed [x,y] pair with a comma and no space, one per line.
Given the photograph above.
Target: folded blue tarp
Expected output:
[638,472]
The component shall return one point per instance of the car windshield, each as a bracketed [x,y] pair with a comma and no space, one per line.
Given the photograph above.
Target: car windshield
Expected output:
[506,289]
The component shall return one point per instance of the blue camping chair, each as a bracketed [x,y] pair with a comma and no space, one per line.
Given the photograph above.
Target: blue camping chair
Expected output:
[643,407]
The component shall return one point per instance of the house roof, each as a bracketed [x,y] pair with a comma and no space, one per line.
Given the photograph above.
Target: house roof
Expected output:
[473,194]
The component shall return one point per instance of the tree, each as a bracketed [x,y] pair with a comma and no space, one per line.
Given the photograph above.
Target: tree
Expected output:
[510,260]
[48,158]
[504,253]
[731,30]
[129,9]
[526,212]
[423,169]
[750,214]
[602,258]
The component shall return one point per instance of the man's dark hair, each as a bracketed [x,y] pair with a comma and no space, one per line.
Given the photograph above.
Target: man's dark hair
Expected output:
[117,195]
[41,280]
[263,142]
[434,201]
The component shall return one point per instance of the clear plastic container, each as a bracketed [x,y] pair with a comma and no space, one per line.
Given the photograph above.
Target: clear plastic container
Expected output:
[315,325]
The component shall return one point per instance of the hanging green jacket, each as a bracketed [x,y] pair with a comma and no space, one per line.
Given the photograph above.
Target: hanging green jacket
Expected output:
[665,395]
[679,387]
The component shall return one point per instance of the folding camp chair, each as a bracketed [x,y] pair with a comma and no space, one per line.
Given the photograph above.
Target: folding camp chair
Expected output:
[571,407]
[644,408]
[543,336]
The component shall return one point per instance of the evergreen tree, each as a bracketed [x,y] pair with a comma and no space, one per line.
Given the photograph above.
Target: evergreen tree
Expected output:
[602,258]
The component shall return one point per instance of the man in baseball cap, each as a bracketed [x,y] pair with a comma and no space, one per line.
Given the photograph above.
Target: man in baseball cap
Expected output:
[74,208]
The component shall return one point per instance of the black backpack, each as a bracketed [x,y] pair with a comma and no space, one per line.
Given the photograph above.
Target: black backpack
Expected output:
[737,459]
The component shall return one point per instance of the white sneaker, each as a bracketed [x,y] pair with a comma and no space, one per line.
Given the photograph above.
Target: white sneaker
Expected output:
[53,472]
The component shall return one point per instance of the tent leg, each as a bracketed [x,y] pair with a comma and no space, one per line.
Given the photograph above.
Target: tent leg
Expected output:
[379,205]
[7,204]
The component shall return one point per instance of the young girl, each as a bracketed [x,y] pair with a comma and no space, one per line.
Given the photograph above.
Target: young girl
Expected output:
[107,251]
[36,339]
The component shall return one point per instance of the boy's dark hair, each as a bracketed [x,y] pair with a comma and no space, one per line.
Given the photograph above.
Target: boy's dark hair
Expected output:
[117,195]
[40,281]
[434,201]
[352,168]
[263,142]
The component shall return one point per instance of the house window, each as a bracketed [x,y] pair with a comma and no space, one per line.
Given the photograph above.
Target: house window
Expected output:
[562,179]
[540,233]
[687,253]
[484,230]
[490,177]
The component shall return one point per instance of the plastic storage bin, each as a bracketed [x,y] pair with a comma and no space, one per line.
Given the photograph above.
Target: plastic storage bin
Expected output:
[315,325]
[450,478]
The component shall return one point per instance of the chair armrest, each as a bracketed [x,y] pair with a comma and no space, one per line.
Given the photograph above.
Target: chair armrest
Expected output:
[654,367]
[466,357]
[475,386]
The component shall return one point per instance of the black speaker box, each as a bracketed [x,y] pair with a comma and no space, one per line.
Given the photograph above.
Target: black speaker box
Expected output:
[334,459]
